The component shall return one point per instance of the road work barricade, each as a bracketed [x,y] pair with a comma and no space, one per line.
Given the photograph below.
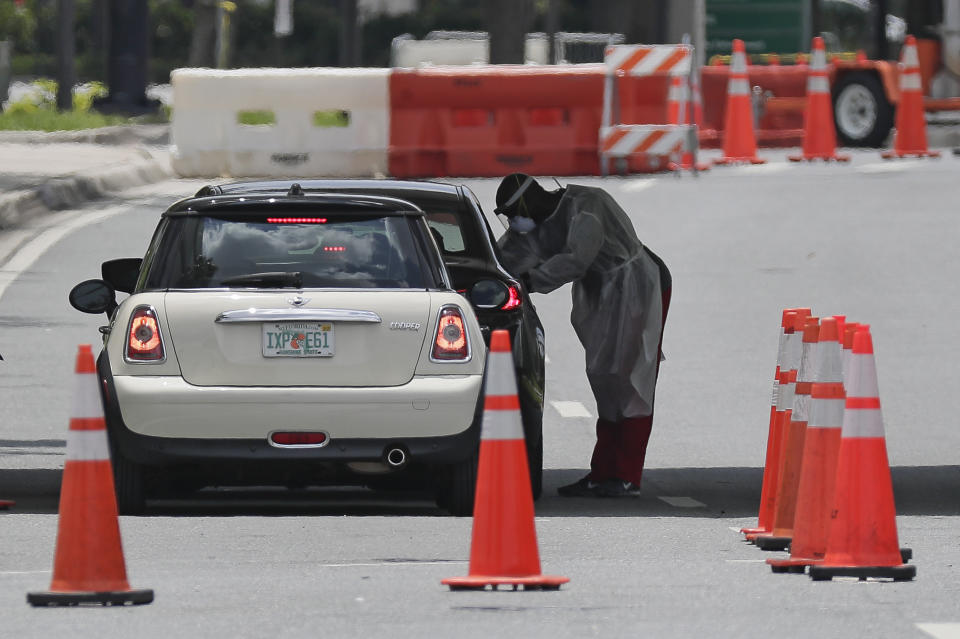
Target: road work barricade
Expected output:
[494,120]
[280,122]
[647,115]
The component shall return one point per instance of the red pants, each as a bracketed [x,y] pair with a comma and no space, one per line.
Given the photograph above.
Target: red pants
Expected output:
[622,446]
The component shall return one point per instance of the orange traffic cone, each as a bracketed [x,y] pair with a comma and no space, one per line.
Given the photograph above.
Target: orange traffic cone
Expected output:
[910,139]
[821,445]
[863,529]
[795,426]
[88,567]
[819,133]
[771,466]
[682,110]
[504,545]
[739,142]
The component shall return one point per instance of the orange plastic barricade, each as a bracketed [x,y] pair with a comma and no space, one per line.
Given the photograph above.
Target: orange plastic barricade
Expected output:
[494,120]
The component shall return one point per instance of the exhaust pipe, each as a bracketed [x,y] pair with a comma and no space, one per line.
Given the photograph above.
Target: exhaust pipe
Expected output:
[396,457]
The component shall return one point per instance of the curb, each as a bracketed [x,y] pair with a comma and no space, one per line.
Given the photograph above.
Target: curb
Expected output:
[149,134]
[72,190]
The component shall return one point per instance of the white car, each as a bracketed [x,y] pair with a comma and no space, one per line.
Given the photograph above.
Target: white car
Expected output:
[292,339]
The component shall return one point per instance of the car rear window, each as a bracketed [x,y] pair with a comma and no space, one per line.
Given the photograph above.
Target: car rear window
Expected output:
[286,250]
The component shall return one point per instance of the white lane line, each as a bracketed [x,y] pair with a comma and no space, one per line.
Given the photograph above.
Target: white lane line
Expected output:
[891,166]
[24,572]
[393,563]
[760,169]
[683,502]
[637,185]
[745,561]
[32,250]
[941,630]
[571,409]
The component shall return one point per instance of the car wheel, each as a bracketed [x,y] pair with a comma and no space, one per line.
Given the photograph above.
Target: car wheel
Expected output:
[128,480]
[457,486]
[861,111]
[535,460]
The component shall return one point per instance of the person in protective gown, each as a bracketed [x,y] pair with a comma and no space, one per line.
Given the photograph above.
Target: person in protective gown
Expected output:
[621,292]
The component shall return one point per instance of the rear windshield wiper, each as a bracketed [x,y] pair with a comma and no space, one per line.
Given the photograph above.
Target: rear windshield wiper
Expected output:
[279,278]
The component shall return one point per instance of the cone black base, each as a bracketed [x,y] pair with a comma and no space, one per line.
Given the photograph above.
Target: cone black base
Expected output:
[536,582]
[896,155]
[772,543]
[106,598]
[897,573]
[797,569]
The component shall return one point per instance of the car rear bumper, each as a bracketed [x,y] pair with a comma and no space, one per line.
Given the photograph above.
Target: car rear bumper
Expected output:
[164,420]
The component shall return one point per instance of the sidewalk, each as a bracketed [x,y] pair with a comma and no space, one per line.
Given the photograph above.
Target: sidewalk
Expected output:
[43,172]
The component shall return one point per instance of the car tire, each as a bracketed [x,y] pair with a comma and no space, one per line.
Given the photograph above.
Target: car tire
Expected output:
[535,460]
[457,486]
[128,480]
[861,111]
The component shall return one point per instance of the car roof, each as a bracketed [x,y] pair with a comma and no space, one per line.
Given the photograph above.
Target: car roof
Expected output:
[327,185]
[255,200]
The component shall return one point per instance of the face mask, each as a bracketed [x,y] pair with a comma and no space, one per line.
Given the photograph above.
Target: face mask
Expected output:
[522,224]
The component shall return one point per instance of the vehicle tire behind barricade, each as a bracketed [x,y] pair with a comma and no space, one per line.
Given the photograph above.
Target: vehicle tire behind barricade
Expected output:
[861,111]
[128,479]
[457,485]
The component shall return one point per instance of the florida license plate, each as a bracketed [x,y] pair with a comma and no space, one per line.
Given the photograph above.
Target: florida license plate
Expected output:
[297,339]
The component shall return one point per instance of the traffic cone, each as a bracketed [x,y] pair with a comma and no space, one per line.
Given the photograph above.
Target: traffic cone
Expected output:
[794,430]
[910,139]
[785,393]
[681,109]
[739,142]
[88,567]
[821,445]
[771,465]
[863,529]
[819,132]
[504,544]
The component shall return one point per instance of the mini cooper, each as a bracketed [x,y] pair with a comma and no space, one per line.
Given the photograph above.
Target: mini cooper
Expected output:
[293,336]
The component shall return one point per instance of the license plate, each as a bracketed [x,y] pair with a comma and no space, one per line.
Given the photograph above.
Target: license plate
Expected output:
[297,339]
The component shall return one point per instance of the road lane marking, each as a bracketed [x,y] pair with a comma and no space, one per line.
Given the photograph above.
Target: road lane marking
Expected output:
[637,185]
[760,169]
[25,572]
[571,409]
[745,561]
[30,252]
[941,630]
[683,502]
[881,167]
[394,563]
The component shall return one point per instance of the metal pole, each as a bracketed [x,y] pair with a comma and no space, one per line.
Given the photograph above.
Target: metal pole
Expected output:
[552,22]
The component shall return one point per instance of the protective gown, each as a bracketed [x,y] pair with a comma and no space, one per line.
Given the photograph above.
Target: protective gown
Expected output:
[590,241]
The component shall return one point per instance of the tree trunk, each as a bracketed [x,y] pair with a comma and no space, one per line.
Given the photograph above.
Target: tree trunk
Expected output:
[507,22]
[204,34]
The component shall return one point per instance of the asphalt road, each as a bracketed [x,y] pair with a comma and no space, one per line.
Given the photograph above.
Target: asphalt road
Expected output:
[874,241]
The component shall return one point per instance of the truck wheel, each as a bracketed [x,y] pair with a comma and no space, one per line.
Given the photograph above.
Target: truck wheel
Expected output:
[861,111]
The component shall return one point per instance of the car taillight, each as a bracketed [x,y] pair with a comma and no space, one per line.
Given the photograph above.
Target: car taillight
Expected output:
[451,340]
[513,301]
[144,343]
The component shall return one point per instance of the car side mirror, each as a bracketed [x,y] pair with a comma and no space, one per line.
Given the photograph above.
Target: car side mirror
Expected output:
[489,293]
[93,296]
[122,274]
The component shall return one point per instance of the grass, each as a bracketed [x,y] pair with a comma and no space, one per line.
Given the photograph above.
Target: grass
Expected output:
[36,111]
[51,120]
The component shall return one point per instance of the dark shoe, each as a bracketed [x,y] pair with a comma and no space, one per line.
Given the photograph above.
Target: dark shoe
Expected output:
[617,488]
[581,488]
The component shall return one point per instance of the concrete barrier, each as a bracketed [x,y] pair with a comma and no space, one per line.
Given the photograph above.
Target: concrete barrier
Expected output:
[280,122]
